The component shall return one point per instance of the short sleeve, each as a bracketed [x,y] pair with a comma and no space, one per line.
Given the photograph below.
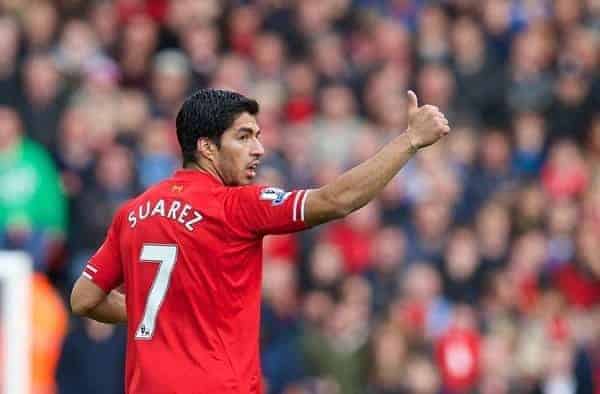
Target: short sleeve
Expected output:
[105,267]
[262,210]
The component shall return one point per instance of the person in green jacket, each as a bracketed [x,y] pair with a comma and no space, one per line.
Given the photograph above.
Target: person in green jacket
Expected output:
[32,204]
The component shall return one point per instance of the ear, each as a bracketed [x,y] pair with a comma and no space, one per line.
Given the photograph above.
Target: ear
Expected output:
[206,148]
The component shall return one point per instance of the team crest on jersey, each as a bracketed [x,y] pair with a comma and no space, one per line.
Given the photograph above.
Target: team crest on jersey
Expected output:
[275,195]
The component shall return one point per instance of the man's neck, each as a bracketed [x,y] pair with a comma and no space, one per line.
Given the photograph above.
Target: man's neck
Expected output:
[205,168]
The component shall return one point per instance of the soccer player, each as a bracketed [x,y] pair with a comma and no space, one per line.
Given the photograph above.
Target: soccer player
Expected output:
[187,252]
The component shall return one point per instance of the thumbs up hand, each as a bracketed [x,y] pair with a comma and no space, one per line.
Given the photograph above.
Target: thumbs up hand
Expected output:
[426,124]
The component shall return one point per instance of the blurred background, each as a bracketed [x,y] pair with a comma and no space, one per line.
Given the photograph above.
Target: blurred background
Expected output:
[476,271]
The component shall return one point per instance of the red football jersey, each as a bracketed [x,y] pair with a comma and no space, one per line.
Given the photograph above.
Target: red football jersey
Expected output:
[189,252]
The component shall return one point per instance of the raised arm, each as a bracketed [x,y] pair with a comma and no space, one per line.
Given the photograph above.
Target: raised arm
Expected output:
[359,185]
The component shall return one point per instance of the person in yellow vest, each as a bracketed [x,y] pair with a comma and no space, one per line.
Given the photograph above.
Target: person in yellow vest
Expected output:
[48,329]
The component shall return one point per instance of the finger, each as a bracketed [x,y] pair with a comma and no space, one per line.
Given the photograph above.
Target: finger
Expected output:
[439,122]
[433,113]
[442,119]
[439,114]
[413,102]
[432,108]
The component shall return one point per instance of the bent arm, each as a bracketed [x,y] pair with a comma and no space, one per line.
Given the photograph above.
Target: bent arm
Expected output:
[87,299]
[356,187]
[359,185]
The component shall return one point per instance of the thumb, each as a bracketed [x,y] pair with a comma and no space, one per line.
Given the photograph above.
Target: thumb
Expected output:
[413,103]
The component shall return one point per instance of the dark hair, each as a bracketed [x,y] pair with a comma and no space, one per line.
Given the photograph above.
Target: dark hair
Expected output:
[208,113]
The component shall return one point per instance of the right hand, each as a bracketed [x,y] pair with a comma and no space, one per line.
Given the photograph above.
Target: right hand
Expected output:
[426,124]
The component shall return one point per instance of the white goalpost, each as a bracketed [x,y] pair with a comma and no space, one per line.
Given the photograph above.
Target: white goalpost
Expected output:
[15,306]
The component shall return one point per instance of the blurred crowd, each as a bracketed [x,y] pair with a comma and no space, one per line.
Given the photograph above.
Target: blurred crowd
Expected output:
[476,271]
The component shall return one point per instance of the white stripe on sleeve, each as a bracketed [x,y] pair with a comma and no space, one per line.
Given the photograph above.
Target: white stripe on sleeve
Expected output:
[303,204]
[85,274]
[94,270]
[296,197]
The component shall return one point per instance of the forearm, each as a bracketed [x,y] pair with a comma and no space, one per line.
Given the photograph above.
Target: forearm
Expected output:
[110,310]
[356,187]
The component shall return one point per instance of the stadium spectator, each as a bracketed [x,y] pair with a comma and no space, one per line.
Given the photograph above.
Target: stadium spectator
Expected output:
[33,214]
[89,347]
[9,48]
[48,329]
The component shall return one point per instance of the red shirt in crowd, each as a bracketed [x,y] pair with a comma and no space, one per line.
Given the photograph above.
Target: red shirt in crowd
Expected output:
[458,352]
[579,289]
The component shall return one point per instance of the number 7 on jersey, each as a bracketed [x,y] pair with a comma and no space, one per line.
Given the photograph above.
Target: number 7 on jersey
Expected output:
[165,256]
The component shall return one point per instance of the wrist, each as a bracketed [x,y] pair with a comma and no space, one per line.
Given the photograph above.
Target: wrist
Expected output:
[412,146]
